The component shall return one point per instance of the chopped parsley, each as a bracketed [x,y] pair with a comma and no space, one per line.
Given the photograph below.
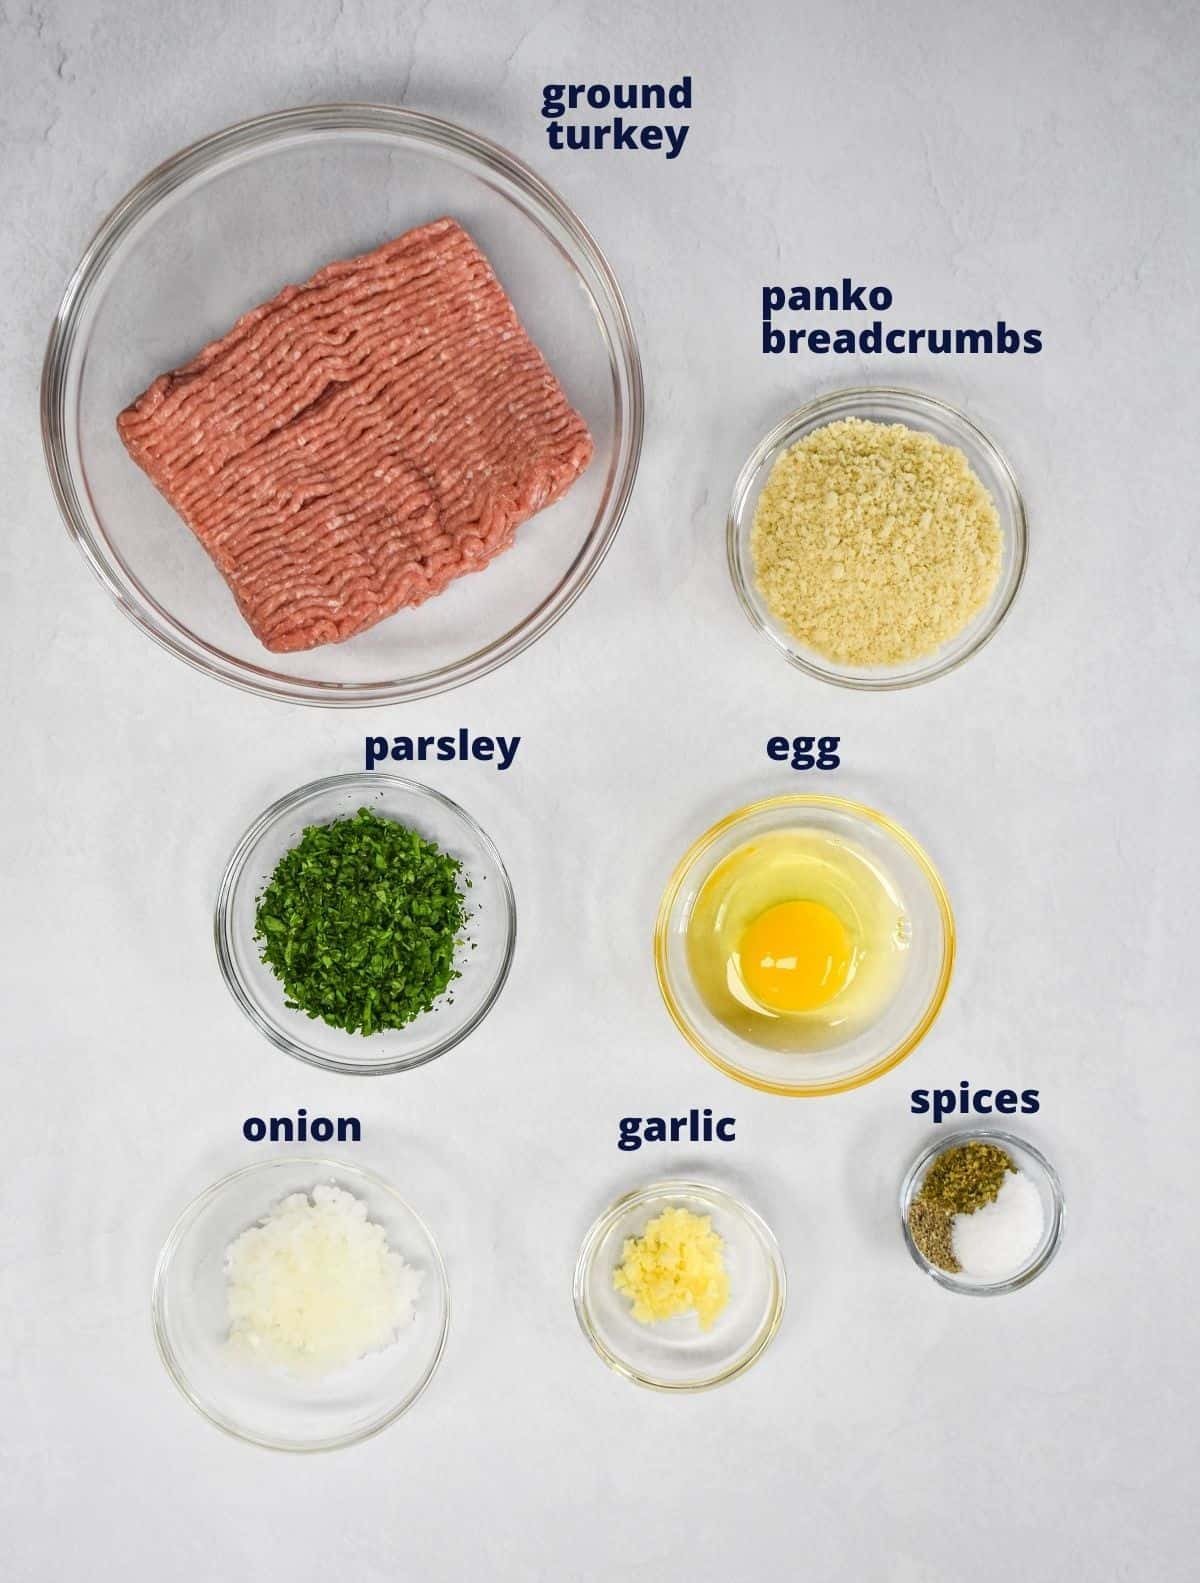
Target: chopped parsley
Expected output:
[360,922]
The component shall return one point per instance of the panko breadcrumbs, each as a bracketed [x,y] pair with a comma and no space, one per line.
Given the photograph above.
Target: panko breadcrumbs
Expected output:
[874,543]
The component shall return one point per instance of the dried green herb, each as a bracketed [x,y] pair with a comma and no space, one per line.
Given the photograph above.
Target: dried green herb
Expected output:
[360,922]
[965,1178]
[961,1180]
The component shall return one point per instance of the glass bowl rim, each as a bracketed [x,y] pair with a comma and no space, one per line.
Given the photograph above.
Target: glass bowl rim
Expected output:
[681,1187]
[231,877]
[919,403]
[170,1247]
[255,134]
[842,805]
[1003,1138]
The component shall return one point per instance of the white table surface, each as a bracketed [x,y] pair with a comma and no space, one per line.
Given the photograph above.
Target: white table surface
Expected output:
[1031,162]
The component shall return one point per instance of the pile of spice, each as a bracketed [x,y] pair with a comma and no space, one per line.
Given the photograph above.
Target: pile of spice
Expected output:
[314,1286]
[977,1213]
[676,1266]
[360,923]
[874,543]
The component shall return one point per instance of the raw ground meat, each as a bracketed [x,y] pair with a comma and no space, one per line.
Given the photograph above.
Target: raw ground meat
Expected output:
[356,443]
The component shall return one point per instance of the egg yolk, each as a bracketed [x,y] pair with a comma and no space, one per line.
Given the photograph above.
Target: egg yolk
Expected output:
[796,956]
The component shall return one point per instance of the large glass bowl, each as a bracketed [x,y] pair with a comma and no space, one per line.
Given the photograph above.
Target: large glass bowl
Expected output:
[268,1407]
[224,225]
[905,1017]
[916,411]
[675,1354]
[483,961]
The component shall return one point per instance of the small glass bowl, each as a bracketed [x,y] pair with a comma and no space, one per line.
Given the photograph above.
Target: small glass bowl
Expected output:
[484,960]
[1039,1170]
[907,1015]
[916,411]
[221,227]
[268,1407]
[675,1354]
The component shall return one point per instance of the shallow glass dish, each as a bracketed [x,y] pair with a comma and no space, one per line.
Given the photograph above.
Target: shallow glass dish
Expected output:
[221,227]
[908,1013]
[916,411]
[1027,1159]
[268,1407]
[675,1354]
[484,959]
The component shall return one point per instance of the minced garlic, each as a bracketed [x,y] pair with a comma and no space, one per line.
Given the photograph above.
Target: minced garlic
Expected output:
[874,543]
[675,1266]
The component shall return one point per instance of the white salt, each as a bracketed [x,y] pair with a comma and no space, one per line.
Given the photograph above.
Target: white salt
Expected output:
[998,1240]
